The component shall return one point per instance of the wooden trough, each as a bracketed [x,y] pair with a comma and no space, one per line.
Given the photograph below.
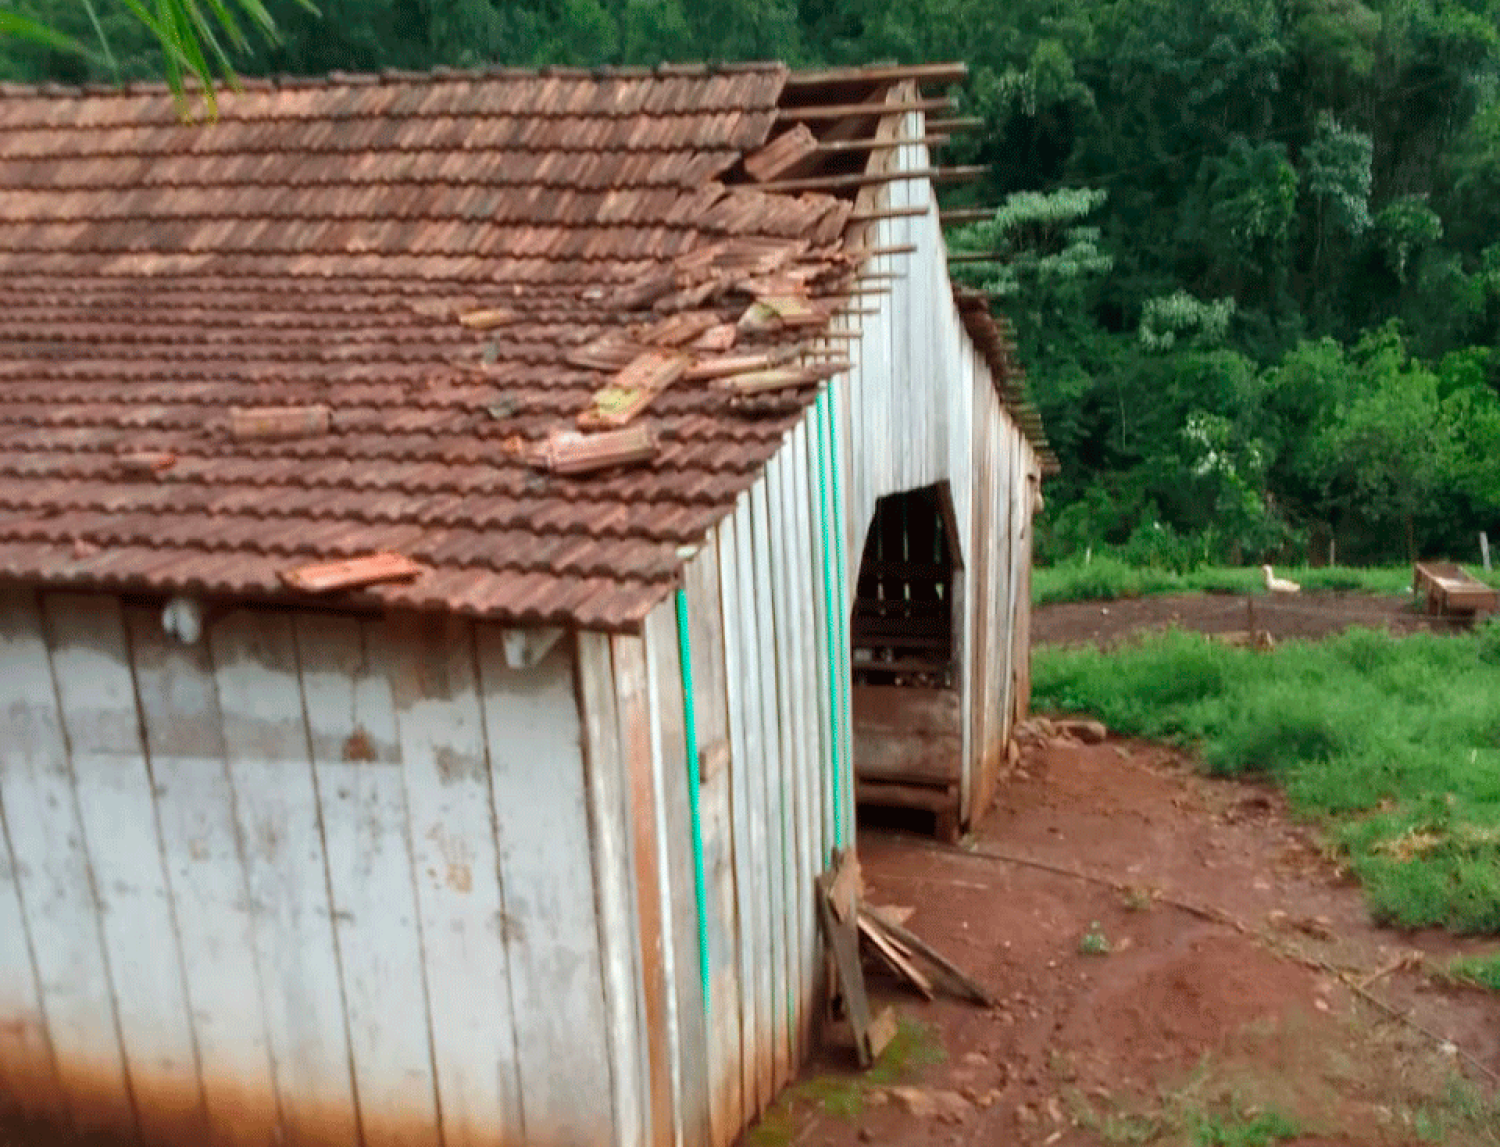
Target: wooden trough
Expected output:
[1449,589]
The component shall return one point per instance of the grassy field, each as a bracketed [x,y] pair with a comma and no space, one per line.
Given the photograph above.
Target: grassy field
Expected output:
[1393,743]
[1107,578]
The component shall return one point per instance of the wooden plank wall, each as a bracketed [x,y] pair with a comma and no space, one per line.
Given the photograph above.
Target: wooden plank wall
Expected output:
[920,407]
[317,879]
[766,728]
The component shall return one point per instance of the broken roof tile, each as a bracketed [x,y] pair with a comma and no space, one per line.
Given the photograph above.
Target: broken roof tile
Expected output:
[344,320]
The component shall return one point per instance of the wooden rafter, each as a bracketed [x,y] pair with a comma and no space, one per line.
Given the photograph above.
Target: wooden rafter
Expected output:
[948,73]
[869,215]
[863,178]
[841,111]
[841,145]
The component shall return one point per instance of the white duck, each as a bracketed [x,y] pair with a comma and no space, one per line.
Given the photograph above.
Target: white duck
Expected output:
[1276,584]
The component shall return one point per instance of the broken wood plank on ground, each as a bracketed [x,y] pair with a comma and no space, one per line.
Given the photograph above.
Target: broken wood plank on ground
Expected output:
[841,930]
[972,989]
[895,956]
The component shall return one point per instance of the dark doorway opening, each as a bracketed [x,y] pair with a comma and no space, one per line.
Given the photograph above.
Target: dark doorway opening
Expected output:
[904,660]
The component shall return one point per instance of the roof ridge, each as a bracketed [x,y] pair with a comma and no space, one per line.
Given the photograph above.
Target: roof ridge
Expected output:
[389,76]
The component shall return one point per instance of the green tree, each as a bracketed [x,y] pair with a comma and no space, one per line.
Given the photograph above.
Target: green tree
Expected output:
[1388,450]
[193,41]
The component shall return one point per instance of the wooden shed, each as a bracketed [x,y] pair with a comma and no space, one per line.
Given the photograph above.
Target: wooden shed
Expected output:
[465,542]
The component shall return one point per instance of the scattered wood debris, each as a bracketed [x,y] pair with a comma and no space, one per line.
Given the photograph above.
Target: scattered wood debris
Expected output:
[846,921]
[248,423]
[897,956]
[898,934]
[758,381]
[838,907]
[644,291]
[569,452]
[441,308]
[1260,640]
[351,573]
[632,390]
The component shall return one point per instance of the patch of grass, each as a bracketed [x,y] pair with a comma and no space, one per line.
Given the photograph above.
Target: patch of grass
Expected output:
[1102,579]
[1107,578]
[1392,743]
[915,1046]
[1117,1124]
[1463,1114]
[1237,1130]
[845,1094]
[1481,971]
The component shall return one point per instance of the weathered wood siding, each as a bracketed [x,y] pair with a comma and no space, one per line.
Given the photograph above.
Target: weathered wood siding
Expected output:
[327,879]
[768,724]
[920,407]
[317,879]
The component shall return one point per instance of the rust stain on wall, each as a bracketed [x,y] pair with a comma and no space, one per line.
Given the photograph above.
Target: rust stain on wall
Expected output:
[78,1108]
[460,877]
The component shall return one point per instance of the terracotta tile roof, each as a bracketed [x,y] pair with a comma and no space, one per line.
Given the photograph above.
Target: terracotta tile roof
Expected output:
[425,257]
[347,318]
[996,342]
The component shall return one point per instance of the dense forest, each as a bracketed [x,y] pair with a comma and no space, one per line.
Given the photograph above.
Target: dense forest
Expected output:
[1251,247]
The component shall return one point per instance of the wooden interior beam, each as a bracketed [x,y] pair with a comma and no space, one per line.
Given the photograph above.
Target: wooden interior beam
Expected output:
[840,111]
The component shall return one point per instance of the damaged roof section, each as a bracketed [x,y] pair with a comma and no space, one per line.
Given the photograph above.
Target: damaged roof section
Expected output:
[490,343]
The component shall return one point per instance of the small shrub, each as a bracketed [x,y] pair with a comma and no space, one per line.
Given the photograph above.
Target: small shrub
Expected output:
[1094,942]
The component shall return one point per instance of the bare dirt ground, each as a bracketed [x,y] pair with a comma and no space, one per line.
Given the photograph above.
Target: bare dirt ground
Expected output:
[1234,1004]
[1299,615]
